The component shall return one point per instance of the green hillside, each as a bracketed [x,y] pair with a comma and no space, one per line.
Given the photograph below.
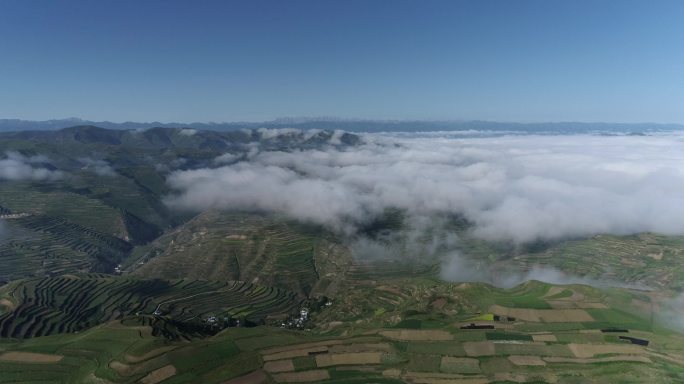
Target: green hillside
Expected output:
[110,200]
[248,247]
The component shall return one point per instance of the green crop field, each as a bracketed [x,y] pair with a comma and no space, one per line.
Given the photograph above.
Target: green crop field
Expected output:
[42,245]
[135,348]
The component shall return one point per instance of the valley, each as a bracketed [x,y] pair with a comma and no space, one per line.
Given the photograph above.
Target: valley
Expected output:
[104,281]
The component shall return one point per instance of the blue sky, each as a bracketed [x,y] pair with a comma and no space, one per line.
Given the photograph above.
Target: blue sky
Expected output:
[617,61]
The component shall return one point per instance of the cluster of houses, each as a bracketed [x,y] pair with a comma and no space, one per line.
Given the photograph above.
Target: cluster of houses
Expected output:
[226,322]
[304,313]
[297,322]
[292,322]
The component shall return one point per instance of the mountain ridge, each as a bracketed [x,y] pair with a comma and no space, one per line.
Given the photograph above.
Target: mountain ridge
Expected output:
[352,125]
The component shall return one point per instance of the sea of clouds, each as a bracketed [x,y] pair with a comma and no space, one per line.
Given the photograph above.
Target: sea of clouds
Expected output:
[512,188]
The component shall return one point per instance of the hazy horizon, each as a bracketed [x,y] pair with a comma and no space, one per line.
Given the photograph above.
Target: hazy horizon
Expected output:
[285,119]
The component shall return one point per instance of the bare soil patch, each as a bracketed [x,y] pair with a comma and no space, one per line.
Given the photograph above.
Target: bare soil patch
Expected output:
[479,348]
[294,353]
[159,375]
[392,372]
[30,357]
[299,377]
[544,315]
[436,378]
[575,297]
[427,380]
[8,304]
[526,360]
[360,368]
[438,303]
[417,335]
[256,377]
[544,337]
[559,304]
[301,346]
[434,375]
[279,366]
[671,357]
[392,290]
[124,369]
[91,378]
[153,353]
[120,368]
[590,350]
[361,347]
[630,358]
[359,358]
[553,291]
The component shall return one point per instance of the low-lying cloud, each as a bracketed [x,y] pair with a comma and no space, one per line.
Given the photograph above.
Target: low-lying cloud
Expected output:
[187,132]
[226,158]
[16,166]
[671,312]
[456,267]
[99,167]
[517,189]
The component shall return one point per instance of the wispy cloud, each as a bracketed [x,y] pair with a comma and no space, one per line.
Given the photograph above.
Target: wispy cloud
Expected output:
[187,132]
[16,166]
[99,167]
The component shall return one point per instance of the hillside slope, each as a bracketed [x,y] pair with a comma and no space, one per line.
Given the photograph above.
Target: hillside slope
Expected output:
[249,247]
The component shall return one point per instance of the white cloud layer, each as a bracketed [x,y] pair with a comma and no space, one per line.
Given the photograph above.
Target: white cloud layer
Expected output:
[671,312]
[517,188]
[16,166]
[456,267]
[187,132]
[226,158]
[99,167]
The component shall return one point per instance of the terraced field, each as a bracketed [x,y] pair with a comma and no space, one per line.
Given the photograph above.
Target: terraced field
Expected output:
[426,346]
[362,271]
[229,246]
[647,259]
[39,255]
[41,245]
[68,304]
[50,201]
[70,228]
[135,190]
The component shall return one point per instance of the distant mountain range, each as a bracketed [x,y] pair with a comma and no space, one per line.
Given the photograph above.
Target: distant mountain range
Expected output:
[352,125]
